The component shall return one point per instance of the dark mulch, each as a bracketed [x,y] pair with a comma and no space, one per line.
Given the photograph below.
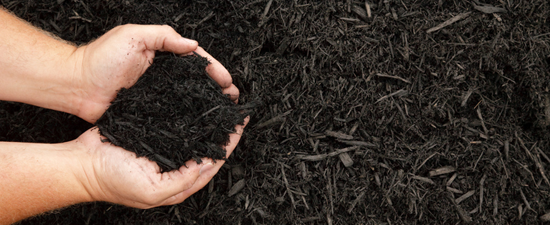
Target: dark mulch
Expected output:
[174,113]
[366,120]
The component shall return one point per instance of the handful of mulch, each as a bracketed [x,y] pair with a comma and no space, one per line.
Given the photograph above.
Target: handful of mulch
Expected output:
[175,112]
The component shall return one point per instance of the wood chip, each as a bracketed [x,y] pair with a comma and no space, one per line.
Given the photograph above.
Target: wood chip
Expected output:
[454,190]
[166,162]
[367,7]
[393,77]
[283,46]
[528,206]
[485,130]
[274,120]
[303,170]
[481,189]
[535,159]
[398,93]
[287,186]
[489,9]
[338,135]
[324,156]
[394,14]
[507,149]
[450,181]
[357,200]
[263,18]
[236,188]
[449,22]
[520,211]
[461,212]
[359,12]
[346,159]
[465,196]
[359,143]
[442,170]
[466,96]
[353,129]
[424,179]
[377,179]
[543,154]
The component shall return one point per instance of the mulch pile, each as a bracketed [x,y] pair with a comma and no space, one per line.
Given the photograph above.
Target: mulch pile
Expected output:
[384,112]
[174,113]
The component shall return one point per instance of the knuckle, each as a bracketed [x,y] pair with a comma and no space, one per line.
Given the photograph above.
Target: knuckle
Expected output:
[187,186]
[230,80]
[167,28]
[124,27]
[151,200]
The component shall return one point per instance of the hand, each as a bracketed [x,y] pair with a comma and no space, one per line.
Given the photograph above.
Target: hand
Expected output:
[116,175]
[115,60]
[119,57]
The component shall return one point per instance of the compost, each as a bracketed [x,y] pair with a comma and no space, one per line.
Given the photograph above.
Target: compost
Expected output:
[174,113]
[374,112]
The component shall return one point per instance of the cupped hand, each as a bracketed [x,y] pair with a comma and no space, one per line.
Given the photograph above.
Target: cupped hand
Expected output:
[115,175]
[118,58]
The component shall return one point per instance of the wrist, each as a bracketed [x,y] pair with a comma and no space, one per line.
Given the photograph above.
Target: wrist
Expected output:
[65,76]
[77,164]
[39,177]
[37,67]
[80,166]
[85,157]
[81,102]
[88,97]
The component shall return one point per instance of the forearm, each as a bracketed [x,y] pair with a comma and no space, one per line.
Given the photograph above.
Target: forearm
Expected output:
[36,68]
[36,178]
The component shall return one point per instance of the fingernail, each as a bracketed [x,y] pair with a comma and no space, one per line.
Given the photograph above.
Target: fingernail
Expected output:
[189,41]
[206,167]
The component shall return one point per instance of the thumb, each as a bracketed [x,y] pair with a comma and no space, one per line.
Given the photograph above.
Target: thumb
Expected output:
[165,38]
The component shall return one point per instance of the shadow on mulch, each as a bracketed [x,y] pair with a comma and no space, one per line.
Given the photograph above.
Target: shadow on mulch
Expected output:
[367,119]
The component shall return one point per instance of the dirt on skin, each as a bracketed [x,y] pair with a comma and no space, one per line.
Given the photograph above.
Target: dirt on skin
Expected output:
[377,112]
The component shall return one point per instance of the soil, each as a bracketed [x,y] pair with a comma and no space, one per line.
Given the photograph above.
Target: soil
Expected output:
[390,112]
[174,113]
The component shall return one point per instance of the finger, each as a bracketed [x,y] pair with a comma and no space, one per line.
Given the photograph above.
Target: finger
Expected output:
[177,181]
[234,138]
[208,170]
[202,181]
[233,93]
[216,70]
[164,38]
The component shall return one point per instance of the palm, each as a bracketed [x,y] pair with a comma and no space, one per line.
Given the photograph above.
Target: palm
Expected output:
[118,176]
[124,179]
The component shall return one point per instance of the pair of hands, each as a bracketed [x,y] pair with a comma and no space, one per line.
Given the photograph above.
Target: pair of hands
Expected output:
[115,60]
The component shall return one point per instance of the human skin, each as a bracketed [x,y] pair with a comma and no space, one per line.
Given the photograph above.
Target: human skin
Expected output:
[42,70]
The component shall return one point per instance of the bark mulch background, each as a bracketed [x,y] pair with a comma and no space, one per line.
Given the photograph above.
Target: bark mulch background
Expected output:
[390,112]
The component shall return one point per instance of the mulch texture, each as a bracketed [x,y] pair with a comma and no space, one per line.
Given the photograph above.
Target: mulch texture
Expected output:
[385,112]
[174,113]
